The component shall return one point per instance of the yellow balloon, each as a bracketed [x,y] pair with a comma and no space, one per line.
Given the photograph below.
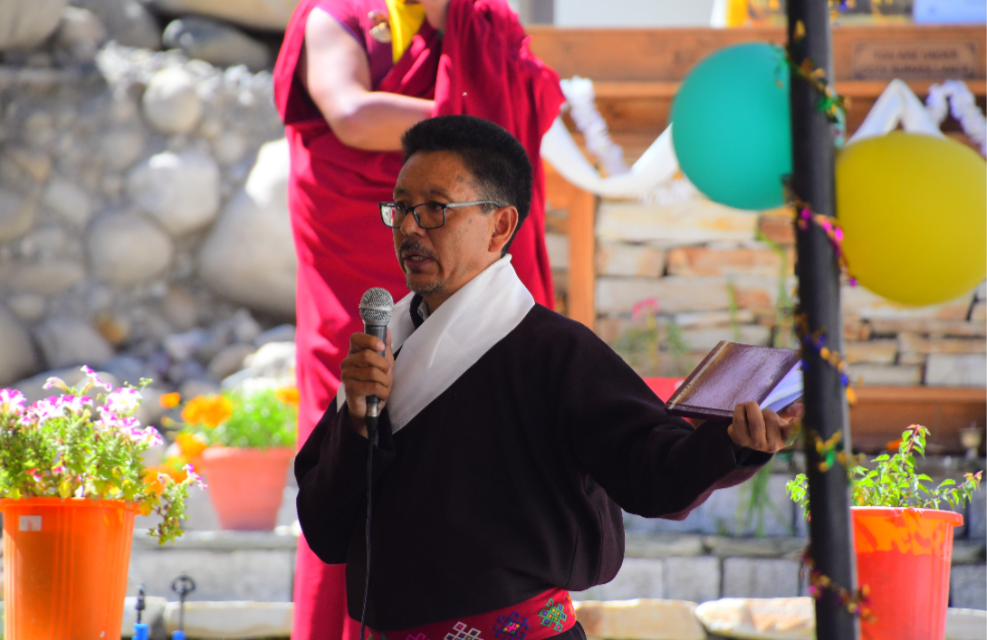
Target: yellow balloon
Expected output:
[913,209]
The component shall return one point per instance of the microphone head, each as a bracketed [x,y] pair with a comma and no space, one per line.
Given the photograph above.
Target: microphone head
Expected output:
[376,307]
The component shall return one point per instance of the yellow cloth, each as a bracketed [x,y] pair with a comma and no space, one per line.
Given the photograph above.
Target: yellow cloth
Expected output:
[405,21]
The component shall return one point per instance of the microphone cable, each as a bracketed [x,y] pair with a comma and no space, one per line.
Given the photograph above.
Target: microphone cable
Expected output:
[376,308]
[372,440]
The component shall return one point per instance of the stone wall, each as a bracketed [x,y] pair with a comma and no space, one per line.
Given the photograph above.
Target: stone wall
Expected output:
[698,273]
[143,217]
[721,550]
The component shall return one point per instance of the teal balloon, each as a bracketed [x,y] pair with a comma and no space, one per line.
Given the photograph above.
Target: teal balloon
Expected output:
[731,126]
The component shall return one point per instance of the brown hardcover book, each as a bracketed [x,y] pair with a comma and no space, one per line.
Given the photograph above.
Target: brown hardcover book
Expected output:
[735,373]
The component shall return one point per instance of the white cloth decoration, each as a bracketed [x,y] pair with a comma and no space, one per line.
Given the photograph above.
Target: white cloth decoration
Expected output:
[655,167]
[896,105]
[953,96]
[650,178]
[454,337]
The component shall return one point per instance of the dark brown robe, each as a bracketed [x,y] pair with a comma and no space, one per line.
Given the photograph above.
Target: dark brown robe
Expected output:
[510,482]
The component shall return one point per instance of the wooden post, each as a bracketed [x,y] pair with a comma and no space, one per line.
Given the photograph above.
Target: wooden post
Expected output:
[813,181]
[581,205]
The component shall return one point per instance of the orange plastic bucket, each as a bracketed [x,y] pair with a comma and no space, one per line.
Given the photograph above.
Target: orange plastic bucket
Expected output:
[65,567]
[904,556]
[246,485]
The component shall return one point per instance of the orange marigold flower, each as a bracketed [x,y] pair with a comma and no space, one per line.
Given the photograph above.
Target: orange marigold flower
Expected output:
[287,395]
[152,481]
[170,400]
[209,411]
[190,446]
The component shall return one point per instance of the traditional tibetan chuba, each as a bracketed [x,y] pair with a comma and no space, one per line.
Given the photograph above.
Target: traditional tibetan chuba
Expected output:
[381,31]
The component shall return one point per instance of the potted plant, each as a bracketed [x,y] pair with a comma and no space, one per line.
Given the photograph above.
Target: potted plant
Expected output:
[903,541]
[72,478]
[243,442]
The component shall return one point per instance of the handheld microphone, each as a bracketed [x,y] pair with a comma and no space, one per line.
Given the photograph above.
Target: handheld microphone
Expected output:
[376,308]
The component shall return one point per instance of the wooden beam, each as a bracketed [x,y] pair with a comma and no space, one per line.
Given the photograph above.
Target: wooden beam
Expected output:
[642,55]
[880,414]
[581,205]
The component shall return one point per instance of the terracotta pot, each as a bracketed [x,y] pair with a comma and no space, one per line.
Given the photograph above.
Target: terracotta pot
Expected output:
[904,556]
[65,567]
[246,485]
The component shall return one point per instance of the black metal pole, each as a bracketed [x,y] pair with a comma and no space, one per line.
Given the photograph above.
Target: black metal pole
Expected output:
[813,181]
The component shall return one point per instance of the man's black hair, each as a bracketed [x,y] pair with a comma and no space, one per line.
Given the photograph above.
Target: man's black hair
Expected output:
[494,157]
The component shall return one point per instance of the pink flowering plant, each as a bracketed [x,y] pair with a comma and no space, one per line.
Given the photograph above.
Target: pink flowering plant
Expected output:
[76,446]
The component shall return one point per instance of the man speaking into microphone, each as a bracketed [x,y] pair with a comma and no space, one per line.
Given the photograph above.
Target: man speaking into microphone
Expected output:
[509,437]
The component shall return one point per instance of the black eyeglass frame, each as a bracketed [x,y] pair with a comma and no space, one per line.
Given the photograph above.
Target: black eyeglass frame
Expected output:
[394,206]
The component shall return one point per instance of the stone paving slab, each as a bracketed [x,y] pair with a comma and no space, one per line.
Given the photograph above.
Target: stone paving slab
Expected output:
[761,619]
[794,619]
[642,619]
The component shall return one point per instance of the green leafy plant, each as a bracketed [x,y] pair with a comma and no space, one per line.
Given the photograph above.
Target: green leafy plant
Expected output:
[258,419]
[895,483]
[75,446]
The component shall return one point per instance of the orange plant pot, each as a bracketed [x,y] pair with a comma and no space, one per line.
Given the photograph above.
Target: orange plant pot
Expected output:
[65,567]
[246,485]
[904,556]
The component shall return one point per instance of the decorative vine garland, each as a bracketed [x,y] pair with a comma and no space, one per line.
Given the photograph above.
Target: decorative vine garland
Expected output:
[581,100]
[857,603]
[963,107]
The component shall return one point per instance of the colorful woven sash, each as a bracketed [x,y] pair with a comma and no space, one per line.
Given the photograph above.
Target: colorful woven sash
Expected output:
[541,617]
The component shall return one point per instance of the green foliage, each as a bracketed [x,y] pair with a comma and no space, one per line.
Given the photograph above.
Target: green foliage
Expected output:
[755,502]
[74,446]
[895,483]
[257,419]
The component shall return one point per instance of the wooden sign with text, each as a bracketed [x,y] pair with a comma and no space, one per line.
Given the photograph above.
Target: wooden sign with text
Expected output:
[915,60]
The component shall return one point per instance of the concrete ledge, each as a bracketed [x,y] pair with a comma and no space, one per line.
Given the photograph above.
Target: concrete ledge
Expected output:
[773,547]
[281,538]
[662,545]
[965,624]
[232,619]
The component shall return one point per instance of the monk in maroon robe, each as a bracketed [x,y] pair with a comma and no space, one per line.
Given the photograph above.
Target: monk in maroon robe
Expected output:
[345,104]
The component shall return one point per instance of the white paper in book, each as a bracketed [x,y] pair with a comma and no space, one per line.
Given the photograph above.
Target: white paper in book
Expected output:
[785,392]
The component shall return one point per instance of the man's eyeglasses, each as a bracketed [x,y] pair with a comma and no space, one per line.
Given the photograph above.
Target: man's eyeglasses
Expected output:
[428,215]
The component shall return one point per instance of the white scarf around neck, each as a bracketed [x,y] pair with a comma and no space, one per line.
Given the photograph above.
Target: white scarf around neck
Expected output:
[451,339]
